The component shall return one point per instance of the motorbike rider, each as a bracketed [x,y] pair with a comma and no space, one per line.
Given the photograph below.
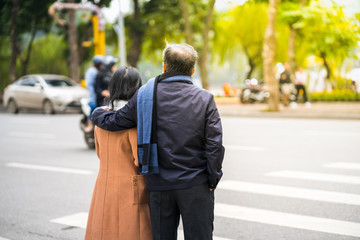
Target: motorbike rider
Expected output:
[90,78]
[103,79]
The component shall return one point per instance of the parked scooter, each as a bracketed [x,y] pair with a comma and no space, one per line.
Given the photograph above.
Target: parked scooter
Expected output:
[253,92]
[88,136]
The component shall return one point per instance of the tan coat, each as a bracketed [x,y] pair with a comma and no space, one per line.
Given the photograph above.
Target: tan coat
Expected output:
[119,208]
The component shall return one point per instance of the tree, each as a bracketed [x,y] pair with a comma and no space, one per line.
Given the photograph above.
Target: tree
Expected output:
[269,56]
[22,19]
[242,28]
[290,6]
[328,32]
[203,45]
[150,24]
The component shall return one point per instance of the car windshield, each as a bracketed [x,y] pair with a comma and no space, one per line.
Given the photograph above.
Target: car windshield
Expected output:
[58,83]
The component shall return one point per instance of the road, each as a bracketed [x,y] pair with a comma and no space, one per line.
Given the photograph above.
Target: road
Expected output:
[283,179]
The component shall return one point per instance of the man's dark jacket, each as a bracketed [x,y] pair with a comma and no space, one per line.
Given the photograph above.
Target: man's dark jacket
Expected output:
[188,131]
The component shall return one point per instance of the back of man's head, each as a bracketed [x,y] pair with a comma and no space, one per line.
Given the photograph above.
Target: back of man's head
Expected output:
[180,58]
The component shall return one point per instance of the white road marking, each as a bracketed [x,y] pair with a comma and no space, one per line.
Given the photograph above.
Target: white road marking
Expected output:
[316,176]
[344,165]
[1,238]
[181,236]
[80,220]
[331,133]
[47,168]
[245,148]
[288,220]
[74,220]
[291,192]
[31,135]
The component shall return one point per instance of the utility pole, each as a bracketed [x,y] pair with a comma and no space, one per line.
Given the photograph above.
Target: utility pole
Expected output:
[121,37]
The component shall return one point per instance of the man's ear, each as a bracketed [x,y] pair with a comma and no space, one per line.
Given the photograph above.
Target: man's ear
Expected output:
[164,68]
[192,73]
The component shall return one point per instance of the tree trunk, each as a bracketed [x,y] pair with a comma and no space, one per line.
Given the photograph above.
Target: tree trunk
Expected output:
[13,36]
[136,36]
[328,77]
[291,46]
[251,62]
[269,56]
[25,61]
[73,46]
[188,29]
[205,48]
[292,51]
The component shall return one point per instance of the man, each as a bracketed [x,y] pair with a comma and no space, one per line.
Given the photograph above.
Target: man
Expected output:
[285,84]
[186,127]
[90,78]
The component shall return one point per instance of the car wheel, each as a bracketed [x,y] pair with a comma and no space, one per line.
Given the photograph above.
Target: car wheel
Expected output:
[48,108]
[12,107]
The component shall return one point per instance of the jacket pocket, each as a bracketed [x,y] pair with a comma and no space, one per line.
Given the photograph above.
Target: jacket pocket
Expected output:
[139,189]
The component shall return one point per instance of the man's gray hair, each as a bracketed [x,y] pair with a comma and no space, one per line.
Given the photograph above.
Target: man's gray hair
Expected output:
[180,58]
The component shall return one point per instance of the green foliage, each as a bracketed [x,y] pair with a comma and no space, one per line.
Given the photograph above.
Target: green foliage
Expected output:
[242,29]
[335,95]
[326,32]
[45,58]
[4,63]
[163,22]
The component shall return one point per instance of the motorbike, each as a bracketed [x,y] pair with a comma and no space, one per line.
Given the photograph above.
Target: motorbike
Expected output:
[253,92]
[88,136]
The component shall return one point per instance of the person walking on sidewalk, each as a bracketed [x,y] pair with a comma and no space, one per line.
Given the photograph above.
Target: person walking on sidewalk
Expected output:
[285,84]
[179,145]
[300,82]
[119,208]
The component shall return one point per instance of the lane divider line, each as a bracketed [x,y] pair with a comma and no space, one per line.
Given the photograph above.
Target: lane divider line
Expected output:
[47,168]
[344,165]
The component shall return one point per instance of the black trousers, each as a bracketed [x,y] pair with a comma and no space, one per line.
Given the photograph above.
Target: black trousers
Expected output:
[196,207]
[298,87]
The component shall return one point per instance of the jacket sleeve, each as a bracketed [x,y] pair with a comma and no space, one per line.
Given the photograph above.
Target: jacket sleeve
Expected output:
[214,149]
[124,118]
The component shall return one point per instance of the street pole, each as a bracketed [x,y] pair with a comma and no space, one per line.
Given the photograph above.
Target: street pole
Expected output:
[121,37]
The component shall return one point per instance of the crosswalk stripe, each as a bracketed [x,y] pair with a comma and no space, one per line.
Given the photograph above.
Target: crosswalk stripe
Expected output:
[245,148]
[1,238]
[316,176]
[74,220]
[344,165]
[331,133]
[80,220]
[288,220]
[47,168]
[291,192]
[181,236]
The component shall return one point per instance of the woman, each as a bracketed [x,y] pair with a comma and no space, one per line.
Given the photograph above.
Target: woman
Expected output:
[119,208]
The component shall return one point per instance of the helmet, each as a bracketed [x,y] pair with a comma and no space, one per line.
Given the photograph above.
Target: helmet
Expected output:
[110,60]
[98,59]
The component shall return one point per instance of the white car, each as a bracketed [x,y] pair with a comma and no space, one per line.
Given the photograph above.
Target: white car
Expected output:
[50,93]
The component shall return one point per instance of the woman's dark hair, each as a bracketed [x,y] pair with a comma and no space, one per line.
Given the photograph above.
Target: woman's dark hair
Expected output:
[123,84]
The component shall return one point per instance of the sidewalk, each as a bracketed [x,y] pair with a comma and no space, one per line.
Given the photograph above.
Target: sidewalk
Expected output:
[322,110]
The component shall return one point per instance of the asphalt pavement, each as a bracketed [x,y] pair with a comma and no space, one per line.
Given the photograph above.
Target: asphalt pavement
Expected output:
[284,178]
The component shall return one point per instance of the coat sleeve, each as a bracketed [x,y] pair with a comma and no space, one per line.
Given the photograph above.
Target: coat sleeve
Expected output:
[214,149]
[97,146]
[133,144]
[124,118]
